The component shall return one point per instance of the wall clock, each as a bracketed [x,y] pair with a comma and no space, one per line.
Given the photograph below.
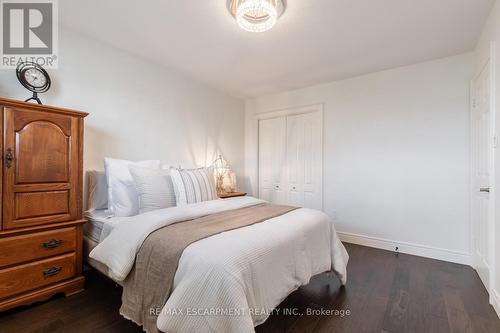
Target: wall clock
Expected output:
[34,78]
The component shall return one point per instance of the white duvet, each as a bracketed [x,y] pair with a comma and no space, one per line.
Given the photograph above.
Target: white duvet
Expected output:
[230,282]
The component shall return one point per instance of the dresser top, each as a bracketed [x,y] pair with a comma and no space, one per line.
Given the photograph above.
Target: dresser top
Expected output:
[41,107]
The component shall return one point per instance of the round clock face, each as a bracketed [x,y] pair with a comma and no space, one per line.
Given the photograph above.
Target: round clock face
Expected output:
[35,78]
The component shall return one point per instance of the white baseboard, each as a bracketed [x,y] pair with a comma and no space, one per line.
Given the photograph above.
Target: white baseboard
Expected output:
[408,248]
[495,301]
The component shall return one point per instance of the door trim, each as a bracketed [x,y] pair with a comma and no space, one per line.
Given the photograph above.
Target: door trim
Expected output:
[291,111]
[494,151]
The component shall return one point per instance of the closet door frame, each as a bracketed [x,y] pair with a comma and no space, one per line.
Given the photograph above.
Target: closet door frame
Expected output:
[293,111]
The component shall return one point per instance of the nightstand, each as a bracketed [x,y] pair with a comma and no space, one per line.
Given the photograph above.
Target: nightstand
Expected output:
[232,195]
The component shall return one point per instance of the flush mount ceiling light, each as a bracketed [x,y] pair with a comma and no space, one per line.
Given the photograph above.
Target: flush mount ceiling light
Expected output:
[256,15]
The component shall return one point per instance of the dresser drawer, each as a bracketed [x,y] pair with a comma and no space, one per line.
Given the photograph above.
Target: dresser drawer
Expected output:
[24,248]
[18,279]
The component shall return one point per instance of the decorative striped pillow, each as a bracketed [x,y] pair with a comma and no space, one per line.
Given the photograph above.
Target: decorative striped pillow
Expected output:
[193,185]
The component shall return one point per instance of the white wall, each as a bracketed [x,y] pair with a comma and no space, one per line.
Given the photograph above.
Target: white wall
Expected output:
[489,35]
[139,110]
[396,154]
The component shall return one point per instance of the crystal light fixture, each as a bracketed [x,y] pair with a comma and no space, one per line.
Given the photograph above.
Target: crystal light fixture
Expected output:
[256,15]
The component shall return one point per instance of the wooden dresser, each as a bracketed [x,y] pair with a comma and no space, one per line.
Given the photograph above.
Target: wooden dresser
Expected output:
[41,195]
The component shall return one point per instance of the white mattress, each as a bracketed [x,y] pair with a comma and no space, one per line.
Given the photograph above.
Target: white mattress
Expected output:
[93,234]
[96,220]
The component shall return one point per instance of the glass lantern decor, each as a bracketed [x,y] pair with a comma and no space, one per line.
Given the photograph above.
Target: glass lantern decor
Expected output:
[221,170]
[229,182]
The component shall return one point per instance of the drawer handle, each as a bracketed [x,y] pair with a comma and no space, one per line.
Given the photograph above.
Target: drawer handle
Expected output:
[52,271]
[53,243]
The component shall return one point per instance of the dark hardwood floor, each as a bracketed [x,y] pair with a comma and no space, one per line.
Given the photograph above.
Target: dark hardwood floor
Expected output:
[385,293]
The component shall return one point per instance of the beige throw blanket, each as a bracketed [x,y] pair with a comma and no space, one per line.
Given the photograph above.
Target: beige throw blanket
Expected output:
[149,284]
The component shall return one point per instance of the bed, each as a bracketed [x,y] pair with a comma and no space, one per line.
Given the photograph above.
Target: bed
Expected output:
[230,281]
[92,231]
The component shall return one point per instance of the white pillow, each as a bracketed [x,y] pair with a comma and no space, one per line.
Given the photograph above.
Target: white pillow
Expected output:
[122,195]
[97,190]
[154,188]
[193,185]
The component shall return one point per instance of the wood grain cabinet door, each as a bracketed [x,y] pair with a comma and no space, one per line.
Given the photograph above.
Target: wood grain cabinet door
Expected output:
[41,170]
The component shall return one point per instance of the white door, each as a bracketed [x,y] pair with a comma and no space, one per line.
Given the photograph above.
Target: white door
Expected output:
[482,145]
[272,149]
[304,163]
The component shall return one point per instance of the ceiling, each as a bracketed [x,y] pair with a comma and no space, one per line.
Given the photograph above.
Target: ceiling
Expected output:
[315,41]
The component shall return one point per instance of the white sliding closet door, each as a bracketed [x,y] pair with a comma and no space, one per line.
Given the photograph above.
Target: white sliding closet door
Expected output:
[291,158]
[305,160]
[272,148]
